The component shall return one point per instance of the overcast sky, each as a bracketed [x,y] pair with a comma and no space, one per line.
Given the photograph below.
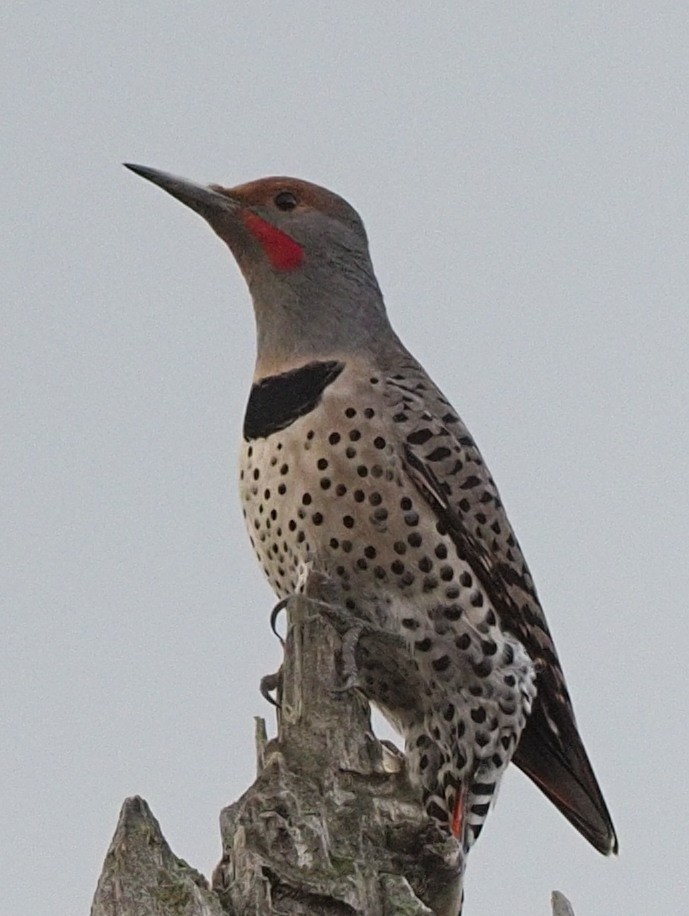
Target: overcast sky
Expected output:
[522,172]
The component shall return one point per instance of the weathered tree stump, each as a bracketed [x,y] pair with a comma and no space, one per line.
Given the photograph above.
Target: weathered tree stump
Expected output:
[330,825]
[142,877]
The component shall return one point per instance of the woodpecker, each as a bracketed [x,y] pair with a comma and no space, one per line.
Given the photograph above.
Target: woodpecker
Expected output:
[355,466]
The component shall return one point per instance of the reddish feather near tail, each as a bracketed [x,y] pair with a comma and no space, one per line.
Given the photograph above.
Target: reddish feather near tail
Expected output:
[457,815]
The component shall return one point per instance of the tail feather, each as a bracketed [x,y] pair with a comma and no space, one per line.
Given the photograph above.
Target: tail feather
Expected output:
[560,767]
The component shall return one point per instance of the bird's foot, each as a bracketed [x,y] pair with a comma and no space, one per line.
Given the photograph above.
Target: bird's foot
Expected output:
[310,593]
[272,684]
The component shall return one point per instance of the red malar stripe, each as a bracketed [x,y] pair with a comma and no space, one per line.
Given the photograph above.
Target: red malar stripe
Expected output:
[282,251]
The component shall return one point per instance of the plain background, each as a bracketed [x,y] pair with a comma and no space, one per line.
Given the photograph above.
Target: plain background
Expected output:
[522,171]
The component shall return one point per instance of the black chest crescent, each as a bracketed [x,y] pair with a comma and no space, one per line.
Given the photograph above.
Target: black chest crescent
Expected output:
[277,401]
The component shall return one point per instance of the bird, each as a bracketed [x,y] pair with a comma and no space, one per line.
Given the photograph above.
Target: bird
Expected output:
[355,466]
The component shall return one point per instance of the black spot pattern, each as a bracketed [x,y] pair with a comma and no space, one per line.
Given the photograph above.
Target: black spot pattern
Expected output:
[334,483]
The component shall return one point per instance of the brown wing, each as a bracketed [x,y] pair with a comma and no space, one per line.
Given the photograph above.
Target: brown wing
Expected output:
[450,474]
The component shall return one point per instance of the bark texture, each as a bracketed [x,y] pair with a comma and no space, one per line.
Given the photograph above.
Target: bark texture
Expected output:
[330,826]
[142,876]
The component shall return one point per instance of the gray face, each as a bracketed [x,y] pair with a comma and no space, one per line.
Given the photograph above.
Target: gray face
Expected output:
[304,254]
[329,301]
[330,304]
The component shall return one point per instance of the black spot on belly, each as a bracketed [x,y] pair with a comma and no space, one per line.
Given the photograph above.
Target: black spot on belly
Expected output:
[277,401]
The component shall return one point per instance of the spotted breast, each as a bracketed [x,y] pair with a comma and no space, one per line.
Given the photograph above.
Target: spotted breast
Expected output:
[328,483]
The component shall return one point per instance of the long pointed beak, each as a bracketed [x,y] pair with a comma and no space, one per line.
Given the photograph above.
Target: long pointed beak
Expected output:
[207,202]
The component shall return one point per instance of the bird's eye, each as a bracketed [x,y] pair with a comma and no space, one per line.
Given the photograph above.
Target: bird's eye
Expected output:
[285,200]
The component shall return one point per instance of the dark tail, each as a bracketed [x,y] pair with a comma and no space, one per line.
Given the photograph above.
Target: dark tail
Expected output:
[559,766]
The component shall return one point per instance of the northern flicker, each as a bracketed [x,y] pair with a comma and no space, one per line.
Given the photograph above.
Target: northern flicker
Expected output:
[354,465]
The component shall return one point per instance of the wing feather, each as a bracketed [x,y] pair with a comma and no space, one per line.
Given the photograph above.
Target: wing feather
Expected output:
[444,464]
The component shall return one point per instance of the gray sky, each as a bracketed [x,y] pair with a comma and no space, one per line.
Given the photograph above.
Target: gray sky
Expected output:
[522,171]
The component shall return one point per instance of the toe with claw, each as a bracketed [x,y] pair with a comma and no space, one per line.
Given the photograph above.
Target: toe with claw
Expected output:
[274,614]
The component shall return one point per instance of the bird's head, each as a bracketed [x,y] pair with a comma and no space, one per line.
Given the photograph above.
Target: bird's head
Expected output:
[304,254]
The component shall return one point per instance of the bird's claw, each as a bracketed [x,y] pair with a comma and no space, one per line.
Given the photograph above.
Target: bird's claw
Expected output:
[394,760]
[274,614]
